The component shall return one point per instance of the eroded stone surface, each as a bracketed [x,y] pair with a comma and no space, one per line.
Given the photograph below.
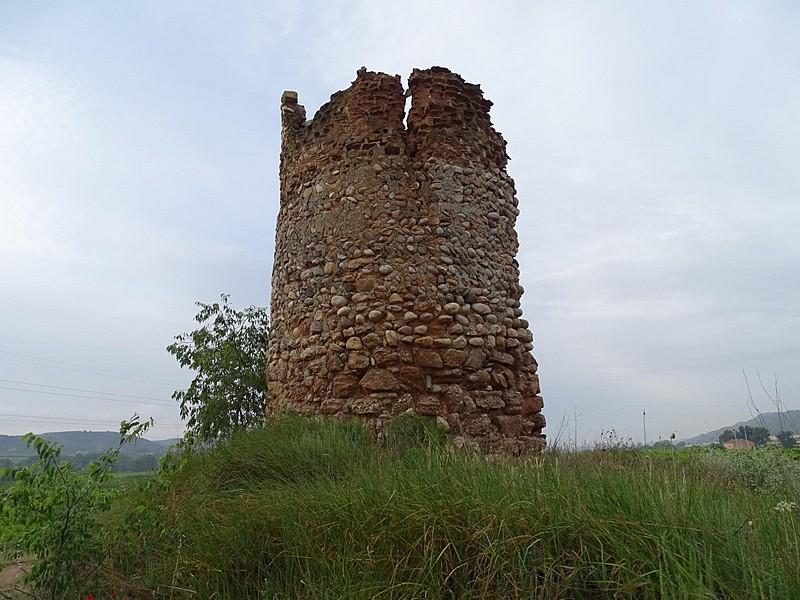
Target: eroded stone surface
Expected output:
[395,286]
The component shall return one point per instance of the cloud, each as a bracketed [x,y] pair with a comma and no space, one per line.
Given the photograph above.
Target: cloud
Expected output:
[653,149]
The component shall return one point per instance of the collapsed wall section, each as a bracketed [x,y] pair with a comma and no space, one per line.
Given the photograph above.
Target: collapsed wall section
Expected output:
[395,286]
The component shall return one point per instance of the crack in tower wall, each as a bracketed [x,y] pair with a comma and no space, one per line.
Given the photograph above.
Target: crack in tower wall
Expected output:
[395,286]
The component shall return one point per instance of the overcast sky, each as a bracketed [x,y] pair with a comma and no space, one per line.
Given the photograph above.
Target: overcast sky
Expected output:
[654,146]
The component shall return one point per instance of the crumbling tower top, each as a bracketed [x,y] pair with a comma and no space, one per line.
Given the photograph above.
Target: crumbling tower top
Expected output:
[449,120]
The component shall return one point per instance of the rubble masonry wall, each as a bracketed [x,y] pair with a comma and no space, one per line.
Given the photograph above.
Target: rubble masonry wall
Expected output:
[395,286]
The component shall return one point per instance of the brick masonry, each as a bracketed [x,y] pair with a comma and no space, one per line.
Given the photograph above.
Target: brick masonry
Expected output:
[395,286]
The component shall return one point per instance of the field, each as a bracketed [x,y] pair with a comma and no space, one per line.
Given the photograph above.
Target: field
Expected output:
[129,480]
[118,480]
[313,510]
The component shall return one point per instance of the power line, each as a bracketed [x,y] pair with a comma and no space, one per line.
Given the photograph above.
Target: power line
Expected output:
[41,418]
[71,389]
[74,424]
[44,419]
[2,387]
[43,361]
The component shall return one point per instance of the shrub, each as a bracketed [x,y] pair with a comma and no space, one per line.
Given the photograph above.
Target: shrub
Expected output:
[770,469]
[53,513]
[228,357]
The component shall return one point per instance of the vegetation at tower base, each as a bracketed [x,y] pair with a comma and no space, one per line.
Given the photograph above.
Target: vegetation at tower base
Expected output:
[395,285]
[311,508]
[228,356]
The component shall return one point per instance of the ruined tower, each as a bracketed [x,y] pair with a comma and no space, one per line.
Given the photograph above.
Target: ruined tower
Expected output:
[395,285]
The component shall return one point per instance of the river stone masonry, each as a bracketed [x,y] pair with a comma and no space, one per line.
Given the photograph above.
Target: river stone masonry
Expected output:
[395,286]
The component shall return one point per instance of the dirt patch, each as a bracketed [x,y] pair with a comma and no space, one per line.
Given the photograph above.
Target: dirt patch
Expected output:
[11,575]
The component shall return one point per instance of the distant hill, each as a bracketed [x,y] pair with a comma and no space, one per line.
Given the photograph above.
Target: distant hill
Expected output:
[791,421]
[83,442]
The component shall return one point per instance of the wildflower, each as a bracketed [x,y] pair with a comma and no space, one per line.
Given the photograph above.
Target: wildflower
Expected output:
[784,506]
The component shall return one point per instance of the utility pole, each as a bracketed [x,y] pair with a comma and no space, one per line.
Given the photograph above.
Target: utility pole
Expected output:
[575,423]
[644,426]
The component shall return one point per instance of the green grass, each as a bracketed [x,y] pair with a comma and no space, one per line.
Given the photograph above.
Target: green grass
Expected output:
[312,510]
[129,480]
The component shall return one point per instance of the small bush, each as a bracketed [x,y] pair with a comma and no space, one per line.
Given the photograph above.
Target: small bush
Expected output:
[769,469]
[53,512]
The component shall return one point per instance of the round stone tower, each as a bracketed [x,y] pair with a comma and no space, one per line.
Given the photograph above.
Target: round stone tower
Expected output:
[395,286]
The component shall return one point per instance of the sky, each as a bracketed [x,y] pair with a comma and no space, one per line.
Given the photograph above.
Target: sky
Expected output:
[654,146]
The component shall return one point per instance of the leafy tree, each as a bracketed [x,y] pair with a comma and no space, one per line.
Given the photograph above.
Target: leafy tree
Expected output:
[786,439]
[228,355]
[660,444]
[145,462]
[757,435]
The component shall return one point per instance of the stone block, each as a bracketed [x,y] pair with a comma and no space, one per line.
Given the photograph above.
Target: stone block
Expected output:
[509,425]
[475,359]
[488,400]
[344,385]
[379,380]
[428,404]
[357,361]
[454,358]
[427,358]
[531,405]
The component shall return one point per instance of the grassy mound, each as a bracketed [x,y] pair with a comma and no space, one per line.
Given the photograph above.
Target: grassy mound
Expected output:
[304,509]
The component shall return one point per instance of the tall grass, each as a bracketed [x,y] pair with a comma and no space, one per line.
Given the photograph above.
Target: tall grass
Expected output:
[307,509]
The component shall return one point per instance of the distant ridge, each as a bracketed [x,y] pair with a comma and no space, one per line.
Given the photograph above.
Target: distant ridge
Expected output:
[791,422]
[83,442]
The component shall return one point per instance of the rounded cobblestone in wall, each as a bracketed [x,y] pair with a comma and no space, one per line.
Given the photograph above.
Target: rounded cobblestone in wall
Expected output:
[395,285]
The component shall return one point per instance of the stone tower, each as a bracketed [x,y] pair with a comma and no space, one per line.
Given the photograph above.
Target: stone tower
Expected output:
[395,286]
